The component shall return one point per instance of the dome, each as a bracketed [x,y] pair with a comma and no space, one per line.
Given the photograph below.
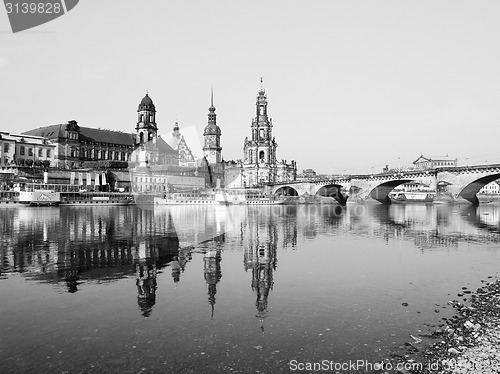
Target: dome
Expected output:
[147,104]
[212,129]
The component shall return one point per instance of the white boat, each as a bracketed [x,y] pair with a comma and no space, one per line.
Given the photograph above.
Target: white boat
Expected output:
[96,199]
[406,197]
[39,197]
[187,198]
[247,197]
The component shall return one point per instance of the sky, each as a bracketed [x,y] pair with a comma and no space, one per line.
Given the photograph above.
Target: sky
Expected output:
[352,86]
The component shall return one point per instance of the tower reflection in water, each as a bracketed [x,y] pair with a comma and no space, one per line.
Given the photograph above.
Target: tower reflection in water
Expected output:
[260,256]
[75,246]
[212,270]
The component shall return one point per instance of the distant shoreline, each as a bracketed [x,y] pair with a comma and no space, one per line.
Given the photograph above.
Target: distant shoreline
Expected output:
[488,198]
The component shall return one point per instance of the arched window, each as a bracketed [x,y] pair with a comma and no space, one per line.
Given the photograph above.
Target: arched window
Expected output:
[262,156]
[141,137]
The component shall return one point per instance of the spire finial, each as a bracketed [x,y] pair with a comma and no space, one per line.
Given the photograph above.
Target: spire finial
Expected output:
[261,82]
[212,97]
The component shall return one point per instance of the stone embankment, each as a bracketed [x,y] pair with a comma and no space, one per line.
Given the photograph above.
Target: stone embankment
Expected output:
[469,342]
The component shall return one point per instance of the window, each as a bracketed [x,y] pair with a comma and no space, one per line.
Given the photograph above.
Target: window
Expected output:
[30,152]
[6,147]
[261,156]
[48,152]
[40,153]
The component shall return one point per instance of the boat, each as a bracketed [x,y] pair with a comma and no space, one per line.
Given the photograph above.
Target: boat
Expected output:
[408,197]
[247,197]
[40,197]
[33,195]
[95,199]
[187,198]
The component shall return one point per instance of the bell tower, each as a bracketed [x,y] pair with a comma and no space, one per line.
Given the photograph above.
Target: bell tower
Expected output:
[261,149]
[211,148]
[146,129]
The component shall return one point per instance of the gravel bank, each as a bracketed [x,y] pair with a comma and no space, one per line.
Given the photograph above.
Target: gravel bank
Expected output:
[469,342]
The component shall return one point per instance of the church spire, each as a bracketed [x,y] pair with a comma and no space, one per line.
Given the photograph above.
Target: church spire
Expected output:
[212,97]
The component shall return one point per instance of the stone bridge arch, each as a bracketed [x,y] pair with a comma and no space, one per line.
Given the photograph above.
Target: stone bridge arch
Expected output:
[286,191]
[333,190]
[375,188]
[465,182]
[381,192]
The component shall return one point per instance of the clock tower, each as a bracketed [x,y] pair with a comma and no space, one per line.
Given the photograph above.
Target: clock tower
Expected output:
[212,149]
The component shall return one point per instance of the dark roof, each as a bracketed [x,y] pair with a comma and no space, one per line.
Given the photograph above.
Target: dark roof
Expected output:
[212,129]
[146,104]
[50,132]
[87,134]
[163,146]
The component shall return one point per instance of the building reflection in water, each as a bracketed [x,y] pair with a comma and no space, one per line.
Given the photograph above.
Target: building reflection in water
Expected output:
[76,245]
[260,256]
[212,273]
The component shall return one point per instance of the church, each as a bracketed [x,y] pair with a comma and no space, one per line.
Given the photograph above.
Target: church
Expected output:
[259,165]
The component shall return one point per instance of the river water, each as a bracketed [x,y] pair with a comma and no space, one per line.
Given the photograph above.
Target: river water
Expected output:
[231,289]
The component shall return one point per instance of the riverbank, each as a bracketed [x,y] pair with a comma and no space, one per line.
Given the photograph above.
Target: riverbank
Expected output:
[469,342]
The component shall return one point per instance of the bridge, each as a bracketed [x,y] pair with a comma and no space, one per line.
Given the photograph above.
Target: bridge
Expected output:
[461,182]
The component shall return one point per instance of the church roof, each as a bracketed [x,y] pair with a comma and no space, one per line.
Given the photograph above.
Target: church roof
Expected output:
[163,146]
[212,129]
[146,104]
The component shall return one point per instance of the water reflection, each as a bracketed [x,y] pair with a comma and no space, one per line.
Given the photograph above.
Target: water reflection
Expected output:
[350,265]
[212,273]
[260,256]
[73,243]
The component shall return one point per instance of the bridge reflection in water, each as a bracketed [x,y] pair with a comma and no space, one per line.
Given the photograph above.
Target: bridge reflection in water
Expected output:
[77,245]
[152,250]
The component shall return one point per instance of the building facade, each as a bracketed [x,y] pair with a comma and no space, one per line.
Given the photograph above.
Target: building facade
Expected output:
[259,165]
[25,150]
[154,168]
[178,143]
[423,163]
[77,146]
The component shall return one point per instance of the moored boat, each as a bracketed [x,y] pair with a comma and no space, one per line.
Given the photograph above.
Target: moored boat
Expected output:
[419,197]
[187,198]
[31,194]
[95,199]
[39,197]
[247,197]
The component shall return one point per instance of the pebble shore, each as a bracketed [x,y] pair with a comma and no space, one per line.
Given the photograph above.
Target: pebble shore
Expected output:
[469,342]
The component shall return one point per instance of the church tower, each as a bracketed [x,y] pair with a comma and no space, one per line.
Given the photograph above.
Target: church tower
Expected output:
[260,150]
[146,129]
[212,149]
